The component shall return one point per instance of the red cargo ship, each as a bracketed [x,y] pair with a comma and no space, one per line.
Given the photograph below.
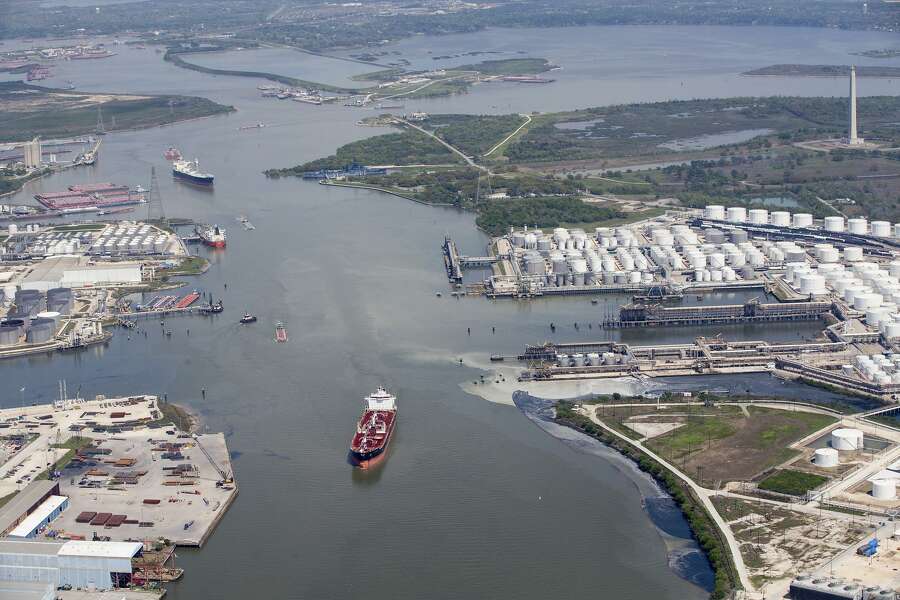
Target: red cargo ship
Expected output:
[373,432]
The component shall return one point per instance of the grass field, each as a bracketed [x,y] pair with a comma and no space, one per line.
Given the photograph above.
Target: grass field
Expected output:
[795,483]
[725,444]
[27,111]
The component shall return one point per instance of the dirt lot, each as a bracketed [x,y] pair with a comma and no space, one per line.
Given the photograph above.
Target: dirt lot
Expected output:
[778,543]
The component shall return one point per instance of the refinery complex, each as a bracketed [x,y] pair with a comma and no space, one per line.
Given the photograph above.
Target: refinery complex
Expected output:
[844,273]
[60,285]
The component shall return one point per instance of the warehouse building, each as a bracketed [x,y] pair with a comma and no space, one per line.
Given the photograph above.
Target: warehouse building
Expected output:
[80,564]
[78,272]
[26,502]
[11,590]
[42,516]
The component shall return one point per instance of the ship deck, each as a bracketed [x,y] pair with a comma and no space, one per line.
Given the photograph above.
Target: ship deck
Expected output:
[373,430]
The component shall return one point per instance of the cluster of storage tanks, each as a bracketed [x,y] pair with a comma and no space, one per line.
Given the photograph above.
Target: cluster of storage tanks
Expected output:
[130,238]
[609,256]
[713,258]
[807,587]
[35,318]
[761,216]
[47,243]
[881,369]
[591,359]
[864,286]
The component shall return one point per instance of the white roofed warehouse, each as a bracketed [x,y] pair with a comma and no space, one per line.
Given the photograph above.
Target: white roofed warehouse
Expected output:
[80,564]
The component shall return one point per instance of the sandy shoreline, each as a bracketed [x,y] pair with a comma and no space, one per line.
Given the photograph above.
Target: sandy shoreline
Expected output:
[501,381]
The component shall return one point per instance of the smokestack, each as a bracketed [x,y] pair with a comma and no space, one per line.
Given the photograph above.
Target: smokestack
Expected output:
[852,139]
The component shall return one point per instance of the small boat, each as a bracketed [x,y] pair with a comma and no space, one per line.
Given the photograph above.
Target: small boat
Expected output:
[248,318]
[280,333]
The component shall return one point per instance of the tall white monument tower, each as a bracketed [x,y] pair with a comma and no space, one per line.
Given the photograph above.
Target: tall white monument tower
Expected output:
[852,138]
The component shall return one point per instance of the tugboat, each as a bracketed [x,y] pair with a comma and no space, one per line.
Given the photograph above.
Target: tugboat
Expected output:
[248,318]
[280,333]
[172,153]
[212,309]
[373,432]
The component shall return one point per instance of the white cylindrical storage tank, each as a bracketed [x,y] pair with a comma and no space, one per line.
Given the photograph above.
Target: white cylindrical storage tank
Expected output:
[736,214]
[577,360]
[847,439]
[891,330]
[853,254]
[829,255]
[715,275]
[714,211]
[812,284]
[758,216]
[884,489]
[780,218]
[881,228]
[13,229]
[825,458]
[562,360]
[897,230]
[717,260]
[802,220]
[834,223]
[593,358]
[858,226]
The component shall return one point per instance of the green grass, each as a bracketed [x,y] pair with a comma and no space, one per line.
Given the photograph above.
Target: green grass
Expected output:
[73,445]
[5,499]
[472,134]
[496,216]
[192,265]
[509,66]
[693,435]
[798,425]
[75,442]
[406,148]
[794,483]
[176,415]
[51,113]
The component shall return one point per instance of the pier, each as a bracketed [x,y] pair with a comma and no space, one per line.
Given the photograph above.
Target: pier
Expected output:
[649,315]
[451,261]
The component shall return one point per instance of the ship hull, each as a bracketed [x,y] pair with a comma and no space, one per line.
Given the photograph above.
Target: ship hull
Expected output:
[213,243]
[192,178]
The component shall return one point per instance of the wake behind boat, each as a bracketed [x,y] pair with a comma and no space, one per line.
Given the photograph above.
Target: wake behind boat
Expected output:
[373,432]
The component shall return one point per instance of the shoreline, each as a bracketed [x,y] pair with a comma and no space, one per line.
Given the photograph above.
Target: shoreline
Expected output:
[696,514]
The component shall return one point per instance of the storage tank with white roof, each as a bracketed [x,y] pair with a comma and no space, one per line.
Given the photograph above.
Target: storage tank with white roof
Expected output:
[884,489]
[780,218]
[847,439]
[859,226]
[826,458]
[802,220]
[834,223]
